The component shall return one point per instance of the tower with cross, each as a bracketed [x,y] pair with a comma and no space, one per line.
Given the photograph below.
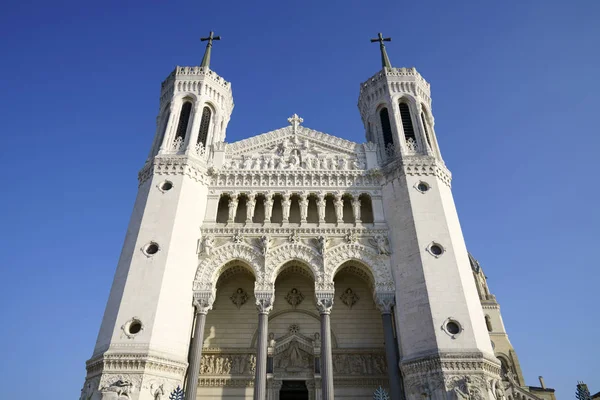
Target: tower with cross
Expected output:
[295,264]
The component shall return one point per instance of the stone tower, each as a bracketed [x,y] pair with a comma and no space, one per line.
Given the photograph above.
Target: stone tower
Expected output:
[294,264]
[444,344]
[146,328]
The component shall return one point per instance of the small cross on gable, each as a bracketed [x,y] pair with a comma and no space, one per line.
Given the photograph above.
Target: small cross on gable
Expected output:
[295,122]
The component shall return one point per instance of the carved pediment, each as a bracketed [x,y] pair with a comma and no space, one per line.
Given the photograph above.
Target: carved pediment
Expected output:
[294,355]
[292,148]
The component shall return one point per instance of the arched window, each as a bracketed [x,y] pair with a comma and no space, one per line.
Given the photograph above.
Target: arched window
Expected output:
[409,132]
[386,127]
[366,209]
[223,209]
[184,118]
[204,124]
[426,130]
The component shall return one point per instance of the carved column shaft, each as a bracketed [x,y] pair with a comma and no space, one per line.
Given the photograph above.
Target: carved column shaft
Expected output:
[385,302]
[264,304]
[202,307]
[303,207]
[194,128]
[250,205]
[285,206]
[324,304]
[233,203]
[356,209]
[321,204]
[268,203]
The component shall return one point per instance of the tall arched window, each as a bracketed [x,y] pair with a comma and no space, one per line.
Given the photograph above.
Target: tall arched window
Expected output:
[204,124]
[409,131]
[386,127]
[184,118]
[426,130]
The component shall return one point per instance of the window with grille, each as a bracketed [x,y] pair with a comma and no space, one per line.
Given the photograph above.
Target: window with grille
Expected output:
[386,127]
[184,118]
[204,125]
[409,132]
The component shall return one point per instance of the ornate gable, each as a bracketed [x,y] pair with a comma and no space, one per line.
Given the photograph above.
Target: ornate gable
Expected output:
[295,147]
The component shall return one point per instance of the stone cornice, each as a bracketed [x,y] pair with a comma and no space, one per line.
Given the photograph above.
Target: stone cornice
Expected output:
[286,231]
[133,362]
[417,166]
[451,362]
[174,165]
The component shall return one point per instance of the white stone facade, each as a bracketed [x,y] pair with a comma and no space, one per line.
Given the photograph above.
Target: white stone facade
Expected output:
[275,259]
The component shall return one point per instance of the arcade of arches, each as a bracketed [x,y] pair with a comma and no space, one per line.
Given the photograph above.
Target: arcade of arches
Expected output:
[297,354]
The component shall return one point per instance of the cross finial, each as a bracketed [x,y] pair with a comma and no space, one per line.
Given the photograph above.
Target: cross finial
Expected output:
[206,58]
[295,122]
[385,61]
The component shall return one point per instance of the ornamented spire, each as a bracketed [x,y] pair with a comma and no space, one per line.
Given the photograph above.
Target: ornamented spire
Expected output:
[385,61]
[295,122]
[206,58]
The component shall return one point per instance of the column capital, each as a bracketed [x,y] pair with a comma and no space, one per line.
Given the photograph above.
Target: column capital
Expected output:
[324,302]
[385,302]
[203,302]
[264,302]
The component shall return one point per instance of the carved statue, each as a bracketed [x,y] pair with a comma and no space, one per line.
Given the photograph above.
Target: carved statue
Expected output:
[272,342]
[499,391]
[349,298]
[237,238]
[342,163]
[339,208]
[233,203]
[250,204]
[303,207]
[207,244]
[285,206]
[322,244]
[321,203]
[356,208]
[380,242]
[159,392]
[268,202]
[265,243]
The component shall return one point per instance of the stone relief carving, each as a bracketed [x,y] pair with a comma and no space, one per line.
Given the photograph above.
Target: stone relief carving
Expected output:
[294,238]
[294,359]
[322,244]
[237,238]
[265,243]
[294,297]
[349,298]
[467,387]
[351,238]
[228,364]
[118,389]
[207,270]
[239,297]
[207,244]
[294,329]
[89,388]
[381,244]
[359,364]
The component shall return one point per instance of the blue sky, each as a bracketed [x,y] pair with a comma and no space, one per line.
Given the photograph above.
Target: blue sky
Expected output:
[515,100]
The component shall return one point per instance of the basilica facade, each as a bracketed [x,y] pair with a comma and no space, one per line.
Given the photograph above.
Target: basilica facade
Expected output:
[299,265]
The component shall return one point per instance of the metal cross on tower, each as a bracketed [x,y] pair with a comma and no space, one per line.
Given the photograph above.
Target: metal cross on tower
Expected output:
[385,61]
[206,58]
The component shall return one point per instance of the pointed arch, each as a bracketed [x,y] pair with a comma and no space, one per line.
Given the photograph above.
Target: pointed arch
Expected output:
[204,125]
[386,127]
[210,268]
[407,123]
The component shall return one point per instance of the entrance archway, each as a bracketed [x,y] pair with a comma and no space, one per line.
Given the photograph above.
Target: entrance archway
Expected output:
[293,390]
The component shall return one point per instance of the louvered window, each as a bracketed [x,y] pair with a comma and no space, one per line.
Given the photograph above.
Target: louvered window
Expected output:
[426,130]
[409,132]
[184,118]
[204,125]
[386,127]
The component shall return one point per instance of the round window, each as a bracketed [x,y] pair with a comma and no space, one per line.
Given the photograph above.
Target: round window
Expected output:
[436,250]
[166,185]
[135,327]
[151,249]
[452,328]
[422,187]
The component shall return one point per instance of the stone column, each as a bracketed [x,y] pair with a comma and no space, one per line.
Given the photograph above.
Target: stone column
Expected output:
[233,203]
[192,138]
[202,304]
[321,207]
[356,207]
[303,207]
[385,302]
[268,203]
[250,205]
[285,206]
[264,304]
[324,304]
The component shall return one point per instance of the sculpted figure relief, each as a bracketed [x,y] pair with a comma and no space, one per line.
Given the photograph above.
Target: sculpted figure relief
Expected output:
[294,297]
[268,202]
[207,244]
[380,242]
[265,244]
[233,203]
[121,388]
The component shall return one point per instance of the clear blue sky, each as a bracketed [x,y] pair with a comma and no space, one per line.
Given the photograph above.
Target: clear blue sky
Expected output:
[515,98]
